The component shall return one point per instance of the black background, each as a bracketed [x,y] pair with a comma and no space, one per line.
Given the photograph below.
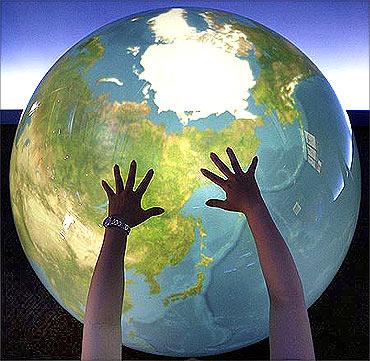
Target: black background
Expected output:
[35,326]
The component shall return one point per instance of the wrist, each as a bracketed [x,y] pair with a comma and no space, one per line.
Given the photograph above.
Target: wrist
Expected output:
[115,231]
[116,221]
[115,235]
[254,205]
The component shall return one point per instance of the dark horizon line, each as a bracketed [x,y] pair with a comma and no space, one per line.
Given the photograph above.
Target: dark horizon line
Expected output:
[358,118]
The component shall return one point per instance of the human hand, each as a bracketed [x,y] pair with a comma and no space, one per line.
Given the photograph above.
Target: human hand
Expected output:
[126,202]
[241,188]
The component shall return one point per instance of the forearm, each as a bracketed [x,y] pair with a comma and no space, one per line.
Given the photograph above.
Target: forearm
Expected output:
[278,267]
[105,297]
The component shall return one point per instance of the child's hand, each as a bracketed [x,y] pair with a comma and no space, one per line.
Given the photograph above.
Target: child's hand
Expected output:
[126,202]
[241,188]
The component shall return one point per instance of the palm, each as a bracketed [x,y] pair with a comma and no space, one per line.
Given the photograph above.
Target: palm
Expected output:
[240,187]
[126,202]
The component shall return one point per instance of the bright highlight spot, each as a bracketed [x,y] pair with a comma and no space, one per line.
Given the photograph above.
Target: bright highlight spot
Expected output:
[34,107]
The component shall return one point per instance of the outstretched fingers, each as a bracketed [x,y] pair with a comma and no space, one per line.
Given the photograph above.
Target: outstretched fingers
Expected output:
[221,165]
[108,189]
[142,187]
[217,203]
[253,166]
[213,177]
[234,161]
[131,177]
[118,178]
[154,211]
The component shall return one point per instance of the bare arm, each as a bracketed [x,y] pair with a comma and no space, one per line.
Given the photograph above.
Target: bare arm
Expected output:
[102,334]
[290,333]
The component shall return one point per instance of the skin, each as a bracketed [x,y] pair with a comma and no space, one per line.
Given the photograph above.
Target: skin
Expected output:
[125,202]
[102,334]
[290,332]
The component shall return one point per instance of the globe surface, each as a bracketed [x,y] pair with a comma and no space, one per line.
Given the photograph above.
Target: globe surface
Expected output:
[166,88]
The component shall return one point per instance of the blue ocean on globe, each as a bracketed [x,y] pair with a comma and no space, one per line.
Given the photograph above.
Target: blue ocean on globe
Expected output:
[166,87]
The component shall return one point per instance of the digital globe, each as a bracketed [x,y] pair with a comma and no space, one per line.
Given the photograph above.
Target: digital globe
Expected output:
[167,87]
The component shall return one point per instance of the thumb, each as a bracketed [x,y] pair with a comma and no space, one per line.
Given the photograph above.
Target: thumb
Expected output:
[216,203]
[154,211]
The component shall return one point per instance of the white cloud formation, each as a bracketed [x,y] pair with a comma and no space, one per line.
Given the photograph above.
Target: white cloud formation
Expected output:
[134,50]
[110,80]
[135,70]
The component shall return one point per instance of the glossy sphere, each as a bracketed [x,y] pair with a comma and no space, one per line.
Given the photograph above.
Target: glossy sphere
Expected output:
[166,88]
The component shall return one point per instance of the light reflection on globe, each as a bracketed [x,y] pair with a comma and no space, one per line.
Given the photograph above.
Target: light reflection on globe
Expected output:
[166,88]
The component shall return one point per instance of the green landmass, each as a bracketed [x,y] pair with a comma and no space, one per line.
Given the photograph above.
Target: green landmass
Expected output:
[280,63]
[191,291]
[202,233]
[204,260]
[40,172]
[75,139]
[164,241]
